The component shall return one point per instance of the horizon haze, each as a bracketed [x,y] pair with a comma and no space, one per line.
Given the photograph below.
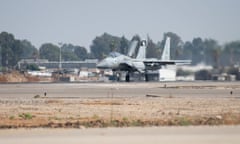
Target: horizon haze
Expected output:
[79,21]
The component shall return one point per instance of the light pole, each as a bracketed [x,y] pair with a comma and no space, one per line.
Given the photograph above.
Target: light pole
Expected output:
[60,55]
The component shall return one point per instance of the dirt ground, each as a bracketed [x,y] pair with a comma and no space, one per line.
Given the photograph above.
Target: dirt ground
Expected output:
[17,77]
[148,110]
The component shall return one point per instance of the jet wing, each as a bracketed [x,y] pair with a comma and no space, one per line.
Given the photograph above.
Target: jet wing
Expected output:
[156,64]
[182,62]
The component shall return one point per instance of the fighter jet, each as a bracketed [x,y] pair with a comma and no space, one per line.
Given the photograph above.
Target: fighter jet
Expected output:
[120,62]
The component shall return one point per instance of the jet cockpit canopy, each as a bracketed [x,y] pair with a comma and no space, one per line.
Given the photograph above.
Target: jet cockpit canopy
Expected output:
[114,54]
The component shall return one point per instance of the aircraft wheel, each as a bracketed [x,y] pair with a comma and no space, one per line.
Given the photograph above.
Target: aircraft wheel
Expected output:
[127,77]
[146,77]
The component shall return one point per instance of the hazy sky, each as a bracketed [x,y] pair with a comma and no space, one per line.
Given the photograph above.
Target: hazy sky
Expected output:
[80,21]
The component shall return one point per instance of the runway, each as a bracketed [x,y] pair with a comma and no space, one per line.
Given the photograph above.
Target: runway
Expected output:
[150,135]
[103,90]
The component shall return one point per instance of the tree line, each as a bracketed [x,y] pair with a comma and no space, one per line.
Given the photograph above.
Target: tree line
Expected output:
[199,50]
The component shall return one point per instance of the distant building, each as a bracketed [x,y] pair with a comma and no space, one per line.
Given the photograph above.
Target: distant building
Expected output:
[195,68]
[167,75]
[224,77]
[88,63]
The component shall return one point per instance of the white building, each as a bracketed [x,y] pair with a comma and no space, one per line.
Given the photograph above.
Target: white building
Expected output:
[167,73]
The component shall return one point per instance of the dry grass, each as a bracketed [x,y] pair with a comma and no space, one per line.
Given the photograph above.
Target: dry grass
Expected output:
[121,112]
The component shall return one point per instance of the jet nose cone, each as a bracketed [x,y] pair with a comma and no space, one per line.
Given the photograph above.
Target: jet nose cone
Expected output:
[101,64]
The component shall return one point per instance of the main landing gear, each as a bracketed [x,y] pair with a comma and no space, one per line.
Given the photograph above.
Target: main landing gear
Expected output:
[141,75]
[127,79]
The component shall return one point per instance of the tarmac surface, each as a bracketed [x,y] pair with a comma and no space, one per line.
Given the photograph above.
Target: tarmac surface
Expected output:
[103,90]
[150,135]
